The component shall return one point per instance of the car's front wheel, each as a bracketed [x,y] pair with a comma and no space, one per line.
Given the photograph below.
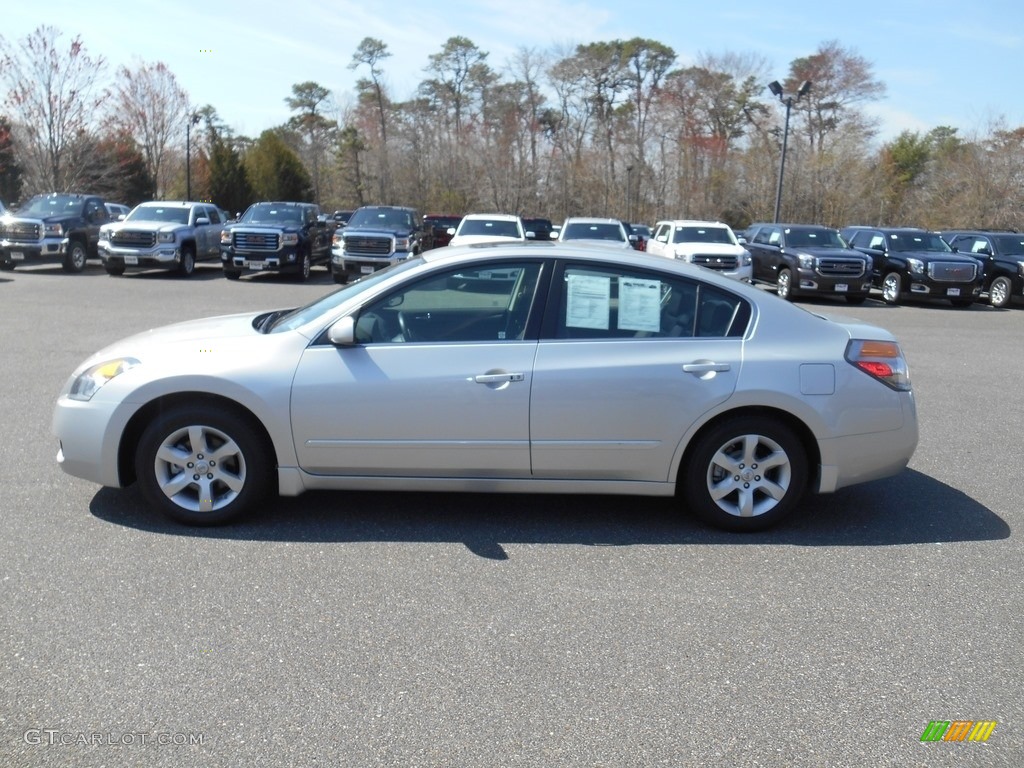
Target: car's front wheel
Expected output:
[305,265]
[202,465]
[188,262]
[1000,292]
[74,259]
[784,285]
[892,287]
[745,474]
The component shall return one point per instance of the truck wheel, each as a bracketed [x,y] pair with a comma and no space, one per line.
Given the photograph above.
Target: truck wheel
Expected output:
[892,287]
[232,274]
[114,270]
[304,267]
[784,285]
[340,277]
[856,298]
[188,261]
[7,266]
[74,259]
[1000,292]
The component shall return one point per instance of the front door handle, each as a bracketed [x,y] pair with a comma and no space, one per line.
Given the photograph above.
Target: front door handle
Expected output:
[705,366]
[497,378]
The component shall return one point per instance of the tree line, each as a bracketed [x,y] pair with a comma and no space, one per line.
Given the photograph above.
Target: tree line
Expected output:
[612,128]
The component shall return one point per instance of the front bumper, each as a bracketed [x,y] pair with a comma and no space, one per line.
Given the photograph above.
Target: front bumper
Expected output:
[89,434]
[283,260]
[165,256]
[357,266]
[19,252]
[919,285]
[810,281]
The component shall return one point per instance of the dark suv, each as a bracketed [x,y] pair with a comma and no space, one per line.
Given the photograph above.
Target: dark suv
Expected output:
[1002,261]
[376,236]
[61,226]
[808,259]
[910,262]
[439,224]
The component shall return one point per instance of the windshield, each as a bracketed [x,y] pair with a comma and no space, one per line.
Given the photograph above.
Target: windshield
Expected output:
[267,213]
[322,306]
[703,235]
[814,238]
[917,241]
[381,217]
[52,205]
[587,231]
[173,214]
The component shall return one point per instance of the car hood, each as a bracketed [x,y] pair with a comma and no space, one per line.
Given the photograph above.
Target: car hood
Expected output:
[826,253]
[382,231]
[141,225]
[935,256]
[715,249]
[471,239]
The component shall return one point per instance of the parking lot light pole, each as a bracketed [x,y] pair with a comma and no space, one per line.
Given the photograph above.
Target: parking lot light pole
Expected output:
[193,119]
[776,90]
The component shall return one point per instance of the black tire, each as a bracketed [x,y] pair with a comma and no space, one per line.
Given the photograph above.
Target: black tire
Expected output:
[856,298]
[230,462]
[305,265]
[339,277]
[892,288]
[1000,293]
[74,259]
[232,274]
[114,270]
[784,284]
[188,261]
[753,498]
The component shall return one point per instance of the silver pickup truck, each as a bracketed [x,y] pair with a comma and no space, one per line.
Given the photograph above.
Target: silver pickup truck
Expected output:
[162,234]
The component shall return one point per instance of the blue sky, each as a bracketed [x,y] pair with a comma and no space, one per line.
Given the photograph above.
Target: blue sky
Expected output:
[943,62]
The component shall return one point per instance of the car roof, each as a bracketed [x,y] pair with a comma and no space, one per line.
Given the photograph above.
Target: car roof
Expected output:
[492,216]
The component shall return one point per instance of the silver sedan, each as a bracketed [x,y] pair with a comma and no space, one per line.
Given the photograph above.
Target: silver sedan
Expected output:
[531,367]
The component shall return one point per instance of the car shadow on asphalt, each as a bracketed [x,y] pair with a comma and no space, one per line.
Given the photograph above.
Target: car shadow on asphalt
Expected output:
[911,508]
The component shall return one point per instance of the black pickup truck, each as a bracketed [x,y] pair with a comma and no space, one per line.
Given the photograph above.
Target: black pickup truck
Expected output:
[283,237]
[61,227]
[377,236]
[1001,255]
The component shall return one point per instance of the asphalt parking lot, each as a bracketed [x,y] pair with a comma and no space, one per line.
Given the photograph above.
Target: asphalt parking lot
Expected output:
[365,629]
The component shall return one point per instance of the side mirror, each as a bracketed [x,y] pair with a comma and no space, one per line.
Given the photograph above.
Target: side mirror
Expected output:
[202,221]
[343,332]
[451,231]
[530,235]
[554,235]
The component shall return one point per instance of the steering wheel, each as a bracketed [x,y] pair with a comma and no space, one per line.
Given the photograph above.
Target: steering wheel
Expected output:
[405,333]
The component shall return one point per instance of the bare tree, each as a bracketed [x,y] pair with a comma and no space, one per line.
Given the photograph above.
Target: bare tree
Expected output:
[54,95]
[149,104]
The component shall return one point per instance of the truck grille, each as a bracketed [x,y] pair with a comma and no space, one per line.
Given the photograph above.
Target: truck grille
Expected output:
[368,245]
[255,241]
[841,267]
[712,261]
[23,232]
[133,239]
[952,272]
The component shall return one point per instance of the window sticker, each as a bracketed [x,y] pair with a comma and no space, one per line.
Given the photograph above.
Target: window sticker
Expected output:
[589,302]
[639,304]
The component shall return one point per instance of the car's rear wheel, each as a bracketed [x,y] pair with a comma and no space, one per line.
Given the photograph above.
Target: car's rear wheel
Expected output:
[784,284]
[892,287]
[202,465]
[1000,292]
[745,474]
[188,261]
[74,259]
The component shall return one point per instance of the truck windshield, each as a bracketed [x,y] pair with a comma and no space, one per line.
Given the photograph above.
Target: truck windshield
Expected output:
[174,215]
[51,205]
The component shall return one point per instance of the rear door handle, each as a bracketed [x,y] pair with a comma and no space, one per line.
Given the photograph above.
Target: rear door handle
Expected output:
[705,367]
[497,378]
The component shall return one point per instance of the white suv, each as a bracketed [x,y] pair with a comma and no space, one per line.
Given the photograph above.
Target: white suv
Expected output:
[710,244]
[487,228]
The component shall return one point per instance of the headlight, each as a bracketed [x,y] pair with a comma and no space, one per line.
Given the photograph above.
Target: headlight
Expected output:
[745,259]
[225,237]
[165,237]
[401,243]
[806,262]
[1020,268]
[337,240]
[915,265]
[683,256]
[53,230]
[289,238]
[88,383]
[104,236]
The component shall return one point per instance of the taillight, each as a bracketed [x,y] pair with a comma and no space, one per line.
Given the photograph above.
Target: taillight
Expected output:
[882,360]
